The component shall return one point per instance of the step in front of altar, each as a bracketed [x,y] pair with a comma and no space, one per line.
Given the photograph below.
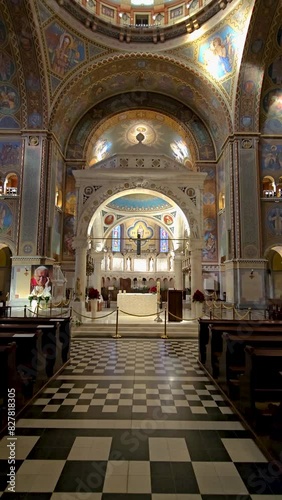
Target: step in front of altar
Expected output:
[173,330]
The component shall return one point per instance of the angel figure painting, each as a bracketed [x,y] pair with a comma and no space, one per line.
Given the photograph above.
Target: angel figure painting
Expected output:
[65,50]
[218,53]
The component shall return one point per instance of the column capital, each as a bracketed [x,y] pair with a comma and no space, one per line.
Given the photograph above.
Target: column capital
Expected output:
[79,243]
[196,244]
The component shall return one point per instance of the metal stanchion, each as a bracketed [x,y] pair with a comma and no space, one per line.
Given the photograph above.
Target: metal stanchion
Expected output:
[158,319]
[250,313]
[24,311]
[164,336]
[117,335]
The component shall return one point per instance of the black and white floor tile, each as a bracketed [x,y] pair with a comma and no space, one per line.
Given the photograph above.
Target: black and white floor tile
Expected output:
[135,420]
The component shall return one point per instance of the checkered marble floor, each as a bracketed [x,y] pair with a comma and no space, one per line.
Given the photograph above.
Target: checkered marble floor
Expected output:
[135,420]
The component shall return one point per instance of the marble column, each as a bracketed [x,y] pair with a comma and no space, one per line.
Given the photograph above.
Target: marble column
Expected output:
[196,265]
[178,282]
[96,277]
[80,262]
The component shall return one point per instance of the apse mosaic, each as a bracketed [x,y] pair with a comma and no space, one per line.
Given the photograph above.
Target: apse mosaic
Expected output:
[217,54]
[140,202]
[140,227]
[65,50]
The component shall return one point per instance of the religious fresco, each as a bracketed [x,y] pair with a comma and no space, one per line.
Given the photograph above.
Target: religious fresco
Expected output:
[209,252]
[168,220]
[275,71]
[222,235]
[274,221]
[56,235]
[271,157]
[100,151]
[69,212]
[217,54]
[10,154]
[109,219]
[142,228]
[65,50]
[90,90]
[26,36]
[7,67]
[6,219]
[9,99]
[272,107]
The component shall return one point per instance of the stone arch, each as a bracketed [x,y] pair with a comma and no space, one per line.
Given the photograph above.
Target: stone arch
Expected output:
[188,120]
[100,80]
[179,196]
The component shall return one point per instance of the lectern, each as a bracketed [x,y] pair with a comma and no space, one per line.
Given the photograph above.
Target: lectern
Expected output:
[174,301]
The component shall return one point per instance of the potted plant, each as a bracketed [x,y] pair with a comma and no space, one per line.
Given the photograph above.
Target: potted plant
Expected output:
[93,293]
[198,299]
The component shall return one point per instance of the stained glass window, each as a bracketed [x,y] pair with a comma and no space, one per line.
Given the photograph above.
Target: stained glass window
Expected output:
[116,239]
[163,240]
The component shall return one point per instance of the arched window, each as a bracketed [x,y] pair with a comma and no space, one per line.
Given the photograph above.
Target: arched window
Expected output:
[268,186]
[116,239]
[163,240]
[11,184]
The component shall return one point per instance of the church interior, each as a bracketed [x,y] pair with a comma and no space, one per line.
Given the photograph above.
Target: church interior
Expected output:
[140,152]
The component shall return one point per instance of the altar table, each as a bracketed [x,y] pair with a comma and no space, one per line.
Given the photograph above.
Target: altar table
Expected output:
[137,303]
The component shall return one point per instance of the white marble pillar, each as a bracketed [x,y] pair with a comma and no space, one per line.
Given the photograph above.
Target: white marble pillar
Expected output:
[178,280]
[80,247]
[96,277]
[196,266]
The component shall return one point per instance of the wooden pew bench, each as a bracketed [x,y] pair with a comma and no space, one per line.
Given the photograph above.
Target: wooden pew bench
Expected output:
[62,328]
[232,361]
[262,381]
[8,378]
[212,350]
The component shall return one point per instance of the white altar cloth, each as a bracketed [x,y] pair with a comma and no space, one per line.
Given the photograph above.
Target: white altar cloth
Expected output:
[137,303]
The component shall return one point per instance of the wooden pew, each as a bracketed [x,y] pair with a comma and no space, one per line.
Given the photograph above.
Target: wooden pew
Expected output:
[210,339]
[262,381]
[8,378]
[63,332]
[232,361]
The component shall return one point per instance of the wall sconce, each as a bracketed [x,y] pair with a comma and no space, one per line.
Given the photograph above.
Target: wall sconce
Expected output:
[158,18]
[251,275]
[25,271]
[124,16]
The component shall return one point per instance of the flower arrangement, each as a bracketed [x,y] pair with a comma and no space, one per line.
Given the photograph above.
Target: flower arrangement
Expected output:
[93,293]
[198,296]
[153,289]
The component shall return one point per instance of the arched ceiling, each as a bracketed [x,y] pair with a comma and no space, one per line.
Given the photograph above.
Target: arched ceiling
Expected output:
[171,114]
[139,202]
[162,134]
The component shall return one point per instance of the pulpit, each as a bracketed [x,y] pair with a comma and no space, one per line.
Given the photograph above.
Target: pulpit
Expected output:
[174,303]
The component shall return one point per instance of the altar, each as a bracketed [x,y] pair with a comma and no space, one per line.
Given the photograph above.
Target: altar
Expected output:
[137,303]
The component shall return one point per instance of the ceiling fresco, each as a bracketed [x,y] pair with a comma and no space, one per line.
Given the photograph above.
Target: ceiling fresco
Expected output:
[119,134]
[179,120]
[140,202]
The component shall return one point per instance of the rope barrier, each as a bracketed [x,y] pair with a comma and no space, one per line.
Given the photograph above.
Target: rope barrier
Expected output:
[183,319]
[242,316]
[99,317]
[140,315]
